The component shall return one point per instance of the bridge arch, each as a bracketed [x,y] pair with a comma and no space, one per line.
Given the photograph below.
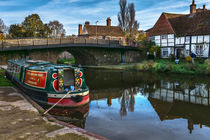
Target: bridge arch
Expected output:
[83,55]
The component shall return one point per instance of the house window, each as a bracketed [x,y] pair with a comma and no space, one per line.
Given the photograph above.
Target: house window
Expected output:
[165,52]
[100,37]
[107,38]
[163,36]
[171,36]
[120,38]
[113,38]
[152,38]
[199,50]
[187,40]
[94,37]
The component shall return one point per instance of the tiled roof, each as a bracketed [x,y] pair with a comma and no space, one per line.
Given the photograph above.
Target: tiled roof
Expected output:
[104,30]
[182,25]
[172,15]
[196,24]
[162,26]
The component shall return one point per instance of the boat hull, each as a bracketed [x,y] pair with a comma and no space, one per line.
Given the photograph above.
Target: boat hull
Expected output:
[77,99]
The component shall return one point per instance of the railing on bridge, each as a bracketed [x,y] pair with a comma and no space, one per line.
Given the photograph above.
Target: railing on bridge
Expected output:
[18,43]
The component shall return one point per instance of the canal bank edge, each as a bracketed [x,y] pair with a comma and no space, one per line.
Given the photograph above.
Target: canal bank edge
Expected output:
[162,65]
[50,118]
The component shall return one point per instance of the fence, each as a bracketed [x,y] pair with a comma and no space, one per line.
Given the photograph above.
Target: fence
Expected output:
[18,43]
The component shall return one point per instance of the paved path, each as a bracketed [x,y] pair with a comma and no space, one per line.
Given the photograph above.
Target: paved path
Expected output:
[20,120]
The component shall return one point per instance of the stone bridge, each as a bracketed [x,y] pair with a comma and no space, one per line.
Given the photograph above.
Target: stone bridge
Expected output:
[85,51]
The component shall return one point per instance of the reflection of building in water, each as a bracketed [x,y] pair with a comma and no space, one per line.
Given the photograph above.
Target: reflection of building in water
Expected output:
[197,94]
[179,100]
[195,114]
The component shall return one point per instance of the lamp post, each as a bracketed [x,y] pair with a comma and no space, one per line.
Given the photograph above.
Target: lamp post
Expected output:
[96,29]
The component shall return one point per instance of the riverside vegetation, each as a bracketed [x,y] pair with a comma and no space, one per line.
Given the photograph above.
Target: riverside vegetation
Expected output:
[165,65]
[184,67]
[3,79]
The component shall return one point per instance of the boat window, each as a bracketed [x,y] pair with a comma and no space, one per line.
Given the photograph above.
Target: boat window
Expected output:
[68,78]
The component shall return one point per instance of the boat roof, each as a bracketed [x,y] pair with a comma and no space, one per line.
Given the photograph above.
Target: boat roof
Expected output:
[39,64]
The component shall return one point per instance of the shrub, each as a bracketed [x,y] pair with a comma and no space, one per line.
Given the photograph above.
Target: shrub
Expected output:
[207,61]
[200,60]
[66,62]
[172,57]
[189,59]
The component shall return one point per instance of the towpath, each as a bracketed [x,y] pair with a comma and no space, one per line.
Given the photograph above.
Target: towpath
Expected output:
[20,120]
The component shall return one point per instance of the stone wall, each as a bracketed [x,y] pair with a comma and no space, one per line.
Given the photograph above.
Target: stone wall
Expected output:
[53,41]
[83,56]
[5,56]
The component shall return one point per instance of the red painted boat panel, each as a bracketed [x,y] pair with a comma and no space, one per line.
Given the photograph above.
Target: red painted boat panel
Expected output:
[36,79]
[68,101]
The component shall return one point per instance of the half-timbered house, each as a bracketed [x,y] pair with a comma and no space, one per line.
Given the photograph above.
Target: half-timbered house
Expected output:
[183,34]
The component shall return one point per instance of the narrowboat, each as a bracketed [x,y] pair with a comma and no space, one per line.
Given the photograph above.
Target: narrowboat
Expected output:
[47,83]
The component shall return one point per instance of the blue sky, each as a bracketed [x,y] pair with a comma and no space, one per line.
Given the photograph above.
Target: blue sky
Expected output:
[74,12]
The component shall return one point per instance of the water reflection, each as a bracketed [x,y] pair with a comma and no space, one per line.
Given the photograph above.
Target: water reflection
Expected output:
[172,97]
[76,116]
[147,102]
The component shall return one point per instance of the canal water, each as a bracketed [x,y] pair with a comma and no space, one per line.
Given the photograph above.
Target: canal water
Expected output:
[130,105]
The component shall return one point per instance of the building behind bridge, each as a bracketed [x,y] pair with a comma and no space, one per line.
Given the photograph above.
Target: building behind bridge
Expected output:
[183,34]
[107,32]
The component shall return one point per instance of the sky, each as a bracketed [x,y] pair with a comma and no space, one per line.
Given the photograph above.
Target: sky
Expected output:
[73,12]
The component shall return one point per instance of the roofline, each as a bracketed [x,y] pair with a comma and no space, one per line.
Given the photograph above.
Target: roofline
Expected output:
[170,24]
[102,26]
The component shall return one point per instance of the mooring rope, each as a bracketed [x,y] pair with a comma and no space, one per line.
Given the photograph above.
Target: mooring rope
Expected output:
[57,103]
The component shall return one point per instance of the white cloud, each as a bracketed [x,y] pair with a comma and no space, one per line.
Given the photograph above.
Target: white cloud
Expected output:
[148,17]
[71,13]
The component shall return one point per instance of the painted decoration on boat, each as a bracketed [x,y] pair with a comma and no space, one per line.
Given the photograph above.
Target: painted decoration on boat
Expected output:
[55,82]
[36,79]
[60,80]
[78,79]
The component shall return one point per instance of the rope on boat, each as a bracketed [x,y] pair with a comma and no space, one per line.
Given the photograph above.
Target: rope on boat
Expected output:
[56,103]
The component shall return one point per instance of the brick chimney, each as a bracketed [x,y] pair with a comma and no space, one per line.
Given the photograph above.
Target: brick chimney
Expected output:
[87,23]
[80,29]
[193,7]
[108,22]
[204,8]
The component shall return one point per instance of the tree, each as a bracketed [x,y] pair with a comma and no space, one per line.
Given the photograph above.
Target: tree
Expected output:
[123,15]
[33,25]
[45,31]
[57,28]
[133,24]
[141,36]
[3,27]
[126,18]
[16,30]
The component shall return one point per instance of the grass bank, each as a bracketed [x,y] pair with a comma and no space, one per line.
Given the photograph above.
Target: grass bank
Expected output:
[3,79]
[165,66]
[169,66]
[66,61]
